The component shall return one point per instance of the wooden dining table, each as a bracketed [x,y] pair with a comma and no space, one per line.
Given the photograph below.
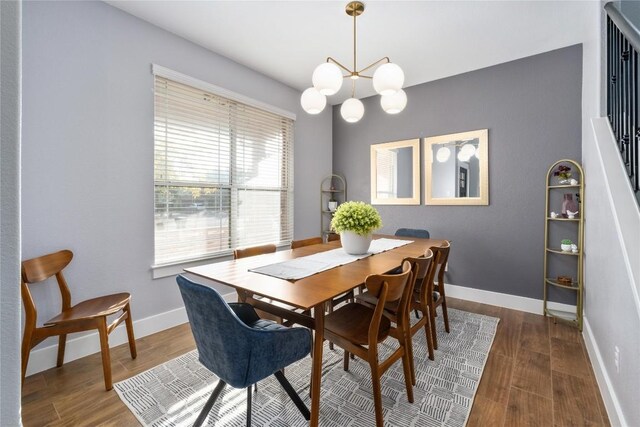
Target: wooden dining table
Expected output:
[307,295]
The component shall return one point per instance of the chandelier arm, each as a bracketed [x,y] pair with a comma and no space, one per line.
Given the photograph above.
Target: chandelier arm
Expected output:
[365,77]
[330,59]
[386,58]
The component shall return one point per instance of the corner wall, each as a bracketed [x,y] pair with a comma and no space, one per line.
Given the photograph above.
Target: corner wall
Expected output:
[88,147]
[10,367]
[532,108]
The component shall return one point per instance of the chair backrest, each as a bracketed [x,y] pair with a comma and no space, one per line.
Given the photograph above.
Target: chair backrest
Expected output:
[306,242]
[255,250]
[388,288]
[333,237]
[39,269]
[441,257]
[424,281]
[412,232]
[219,334]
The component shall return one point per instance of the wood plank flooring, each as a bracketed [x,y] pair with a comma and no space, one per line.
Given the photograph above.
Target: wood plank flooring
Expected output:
[537,374]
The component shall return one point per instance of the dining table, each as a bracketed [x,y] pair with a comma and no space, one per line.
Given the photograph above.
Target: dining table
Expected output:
[303,301]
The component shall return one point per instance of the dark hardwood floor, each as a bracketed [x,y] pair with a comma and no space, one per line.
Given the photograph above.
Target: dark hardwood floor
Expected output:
[538,374]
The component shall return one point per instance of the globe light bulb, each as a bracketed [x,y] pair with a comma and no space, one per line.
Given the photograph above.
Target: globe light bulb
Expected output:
[443,154]
[394,103]
[327,78]
[352,110]
[388,79]
[312,101]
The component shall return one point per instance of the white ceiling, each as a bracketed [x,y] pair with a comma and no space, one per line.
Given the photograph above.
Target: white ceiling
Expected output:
[286,40]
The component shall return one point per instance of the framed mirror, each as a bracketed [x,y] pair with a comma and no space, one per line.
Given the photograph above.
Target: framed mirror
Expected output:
[395,173]
[457,168]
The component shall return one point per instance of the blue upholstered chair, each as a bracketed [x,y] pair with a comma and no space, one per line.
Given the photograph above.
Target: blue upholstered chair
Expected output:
[238,346]
[412,232]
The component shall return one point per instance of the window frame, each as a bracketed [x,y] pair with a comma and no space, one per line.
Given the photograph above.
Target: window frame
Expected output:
[174,267]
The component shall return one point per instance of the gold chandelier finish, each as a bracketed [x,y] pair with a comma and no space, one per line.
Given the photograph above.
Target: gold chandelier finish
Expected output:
[355,9]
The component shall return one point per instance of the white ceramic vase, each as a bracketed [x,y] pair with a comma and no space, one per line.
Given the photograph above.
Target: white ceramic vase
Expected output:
[355,244]
[565,248]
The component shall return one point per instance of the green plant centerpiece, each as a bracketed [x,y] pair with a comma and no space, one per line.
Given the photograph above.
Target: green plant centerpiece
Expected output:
[355,221]
[565,245]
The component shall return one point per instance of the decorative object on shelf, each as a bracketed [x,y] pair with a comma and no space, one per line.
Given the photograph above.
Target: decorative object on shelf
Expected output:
[553,215]
[355,221]
[327,79]
[565,280]
[563,173]
[566,264]
[568,204]
[333,192]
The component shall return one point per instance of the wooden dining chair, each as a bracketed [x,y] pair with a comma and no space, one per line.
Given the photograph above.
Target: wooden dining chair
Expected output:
[437,291]
[358,329]
[306,242]
[423,269]
[84,316]
[253,251]
[333,237]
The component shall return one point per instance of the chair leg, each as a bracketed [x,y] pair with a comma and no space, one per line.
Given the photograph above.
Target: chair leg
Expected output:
[427,333]
[106,357]
[207,406]
[409,350]
[26,350]
[417,314]
[346,361]
[62,342]
[432,321]
[286,385]
[249,399]
[132,339]
[445,315]
[409,372]
[377,394]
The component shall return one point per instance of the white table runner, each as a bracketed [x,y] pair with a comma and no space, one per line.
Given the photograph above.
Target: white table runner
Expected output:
[299,268]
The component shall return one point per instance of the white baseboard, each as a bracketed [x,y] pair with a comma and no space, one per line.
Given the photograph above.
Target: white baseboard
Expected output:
[84,345]
[514,302]
[614,411]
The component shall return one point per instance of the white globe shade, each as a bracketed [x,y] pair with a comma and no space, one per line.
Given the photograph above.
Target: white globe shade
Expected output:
[468,150]
[395,103]
[313,101]
[443,154]
[388,79]
[327,78]
[463,157]
[352,110]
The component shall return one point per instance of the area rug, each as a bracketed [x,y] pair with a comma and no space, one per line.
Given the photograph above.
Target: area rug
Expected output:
[172,394]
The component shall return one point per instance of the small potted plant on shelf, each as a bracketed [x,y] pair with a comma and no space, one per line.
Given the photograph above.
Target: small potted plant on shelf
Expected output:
[563,172]
[332,205]
[355,221]
[565,245]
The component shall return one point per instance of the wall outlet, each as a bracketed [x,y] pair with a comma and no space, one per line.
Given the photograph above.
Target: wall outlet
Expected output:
[616,358]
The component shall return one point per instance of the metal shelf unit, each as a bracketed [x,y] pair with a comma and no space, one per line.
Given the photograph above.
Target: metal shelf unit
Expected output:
[552,239]
[332,187]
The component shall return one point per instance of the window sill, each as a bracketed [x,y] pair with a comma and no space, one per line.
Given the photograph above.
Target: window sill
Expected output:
[172,269]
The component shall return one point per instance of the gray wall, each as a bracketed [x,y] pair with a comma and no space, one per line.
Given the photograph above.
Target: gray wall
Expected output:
[10,16]
[532,108]
[88,145]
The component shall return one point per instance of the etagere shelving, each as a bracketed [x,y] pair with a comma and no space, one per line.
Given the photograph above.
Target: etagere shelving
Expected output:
[332,188]
[563,269]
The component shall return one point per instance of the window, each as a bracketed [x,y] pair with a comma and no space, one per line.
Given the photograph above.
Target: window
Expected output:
[223,174]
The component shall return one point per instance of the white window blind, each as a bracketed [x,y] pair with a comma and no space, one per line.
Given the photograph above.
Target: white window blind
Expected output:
[223,174]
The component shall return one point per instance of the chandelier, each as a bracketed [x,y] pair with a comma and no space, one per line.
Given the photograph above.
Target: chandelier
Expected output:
[327,78]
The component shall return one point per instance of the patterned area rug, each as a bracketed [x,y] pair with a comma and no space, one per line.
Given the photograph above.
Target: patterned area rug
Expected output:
[173,393]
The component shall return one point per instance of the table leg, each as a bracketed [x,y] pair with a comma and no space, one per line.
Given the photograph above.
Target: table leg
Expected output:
[316,369]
